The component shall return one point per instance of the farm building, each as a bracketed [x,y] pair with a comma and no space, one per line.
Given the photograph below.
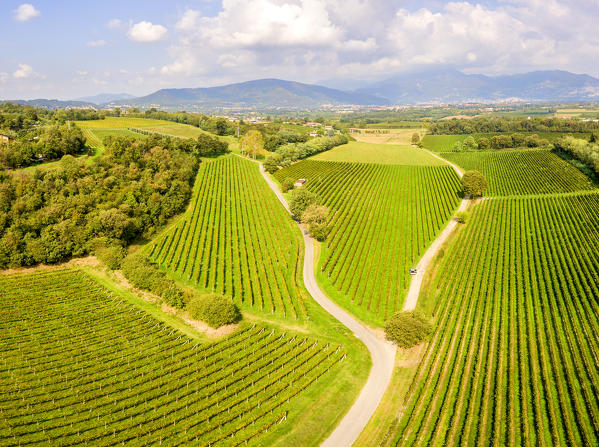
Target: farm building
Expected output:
[4,138]
[312,125]
[300,182]
[313,133]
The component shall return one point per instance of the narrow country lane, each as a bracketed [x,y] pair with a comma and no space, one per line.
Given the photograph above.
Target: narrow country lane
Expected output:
[382,352]
[429,255]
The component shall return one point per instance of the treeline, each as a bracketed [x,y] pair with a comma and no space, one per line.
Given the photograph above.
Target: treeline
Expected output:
[47,216]
[288,153]
[497,142]
[586,152]
[41,144]
[202,146]
[499,125]
[216,125]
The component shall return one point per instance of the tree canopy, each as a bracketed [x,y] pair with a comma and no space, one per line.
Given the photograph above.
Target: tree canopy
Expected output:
[474,184]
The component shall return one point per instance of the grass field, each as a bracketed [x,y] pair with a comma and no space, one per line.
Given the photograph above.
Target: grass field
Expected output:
[444,143]
[237,239]
[80,364]
[383,218]
[387,136]
[522,172]
[379,153]
[513,360]
[112,122]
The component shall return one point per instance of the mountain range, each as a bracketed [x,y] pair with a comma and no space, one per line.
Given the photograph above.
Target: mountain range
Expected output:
[428,87]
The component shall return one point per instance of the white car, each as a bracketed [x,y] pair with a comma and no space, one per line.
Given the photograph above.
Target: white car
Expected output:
[413,271]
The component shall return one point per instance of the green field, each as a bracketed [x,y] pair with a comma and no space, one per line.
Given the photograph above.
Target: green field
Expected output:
[383,219]
[513,360]
[177,130]
[444,143]
[80,364]
[236,239]
[112,122]
[522,172]
[389,154]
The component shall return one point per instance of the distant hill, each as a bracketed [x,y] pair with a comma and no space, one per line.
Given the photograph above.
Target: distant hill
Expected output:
[51,104]
[262,93]
[452,86]
[104,98]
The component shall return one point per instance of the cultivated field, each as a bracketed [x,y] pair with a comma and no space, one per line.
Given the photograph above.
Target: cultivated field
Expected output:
[383,219]
[389,154]
[513,360]
[236,239]
[522,172]
[387,136]
[81,365]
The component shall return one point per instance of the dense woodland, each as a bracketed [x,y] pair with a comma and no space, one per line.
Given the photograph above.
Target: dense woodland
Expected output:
[49,215]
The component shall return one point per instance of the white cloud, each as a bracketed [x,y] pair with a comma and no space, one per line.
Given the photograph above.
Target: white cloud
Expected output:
[114,24]
[315,39]
[147,32]
[26,12]
[96,43]
[26,72]
[3,77]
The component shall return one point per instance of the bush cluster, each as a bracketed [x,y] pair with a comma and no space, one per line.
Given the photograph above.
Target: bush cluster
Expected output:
[300,200]
[291,152]
[214,309]
[407,329]
[145,276]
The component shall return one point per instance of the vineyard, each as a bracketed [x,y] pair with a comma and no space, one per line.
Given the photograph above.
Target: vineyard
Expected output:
[523,172]
[81,365]
[236,239]
[513,360]
[383,219]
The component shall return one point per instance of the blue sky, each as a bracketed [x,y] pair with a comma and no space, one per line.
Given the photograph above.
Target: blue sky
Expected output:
[66,49]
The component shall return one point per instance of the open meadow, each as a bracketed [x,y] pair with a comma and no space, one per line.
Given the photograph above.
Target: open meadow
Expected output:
[387,136]
[388,154]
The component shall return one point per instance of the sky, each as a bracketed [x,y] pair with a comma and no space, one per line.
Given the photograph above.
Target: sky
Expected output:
[71,48]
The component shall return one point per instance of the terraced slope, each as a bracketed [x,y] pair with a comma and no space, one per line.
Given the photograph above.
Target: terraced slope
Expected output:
[513,360]
[80,365]
[383,219]
[522,172]
[236,239]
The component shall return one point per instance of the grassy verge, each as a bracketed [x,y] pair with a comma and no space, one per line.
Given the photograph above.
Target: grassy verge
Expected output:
[379,430]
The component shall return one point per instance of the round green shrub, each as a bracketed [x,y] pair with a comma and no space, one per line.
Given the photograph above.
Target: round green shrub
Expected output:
[214,309]
[407,329]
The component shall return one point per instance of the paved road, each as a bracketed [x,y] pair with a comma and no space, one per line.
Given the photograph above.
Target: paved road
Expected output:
[382,352]
[416,283]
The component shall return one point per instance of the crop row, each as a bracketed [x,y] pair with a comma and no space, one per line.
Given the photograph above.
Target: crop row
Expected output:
[78,364]
[383,218]
[236,239]
[522,172]
[513,360]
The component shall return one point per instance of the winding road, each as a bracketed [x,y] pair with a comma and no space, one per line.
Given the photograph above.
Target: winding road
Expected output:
[382,352]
